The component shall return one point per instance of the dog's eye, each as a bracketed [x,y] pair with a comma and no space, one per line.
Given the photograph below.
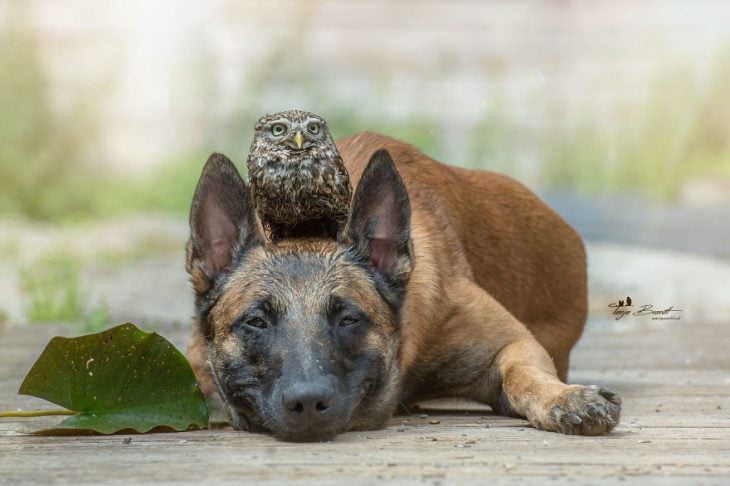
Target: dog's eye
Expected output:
[256,322]
[348,321]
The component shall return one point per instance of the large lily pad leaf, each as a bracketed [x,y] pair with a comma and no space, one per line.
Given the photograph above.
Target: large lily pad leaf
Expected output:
[122,378]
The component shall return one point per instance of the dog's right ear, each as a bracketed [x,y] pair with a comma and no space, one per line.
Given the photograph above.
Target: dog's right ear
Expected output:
[378,230]
[222,223]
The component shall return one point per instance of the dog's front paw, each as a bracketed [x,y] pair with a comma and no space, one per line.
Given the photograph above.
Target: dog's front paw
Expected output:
[584,410]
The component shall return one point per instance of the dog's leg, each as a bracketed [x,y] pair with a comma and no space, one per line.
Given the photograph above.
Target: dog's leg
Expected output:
[520,377]
[530,388]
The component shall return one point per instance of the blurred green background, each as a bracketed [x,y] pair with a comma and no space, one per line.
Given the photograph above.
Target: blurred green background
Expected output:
[57,162]
[107,112]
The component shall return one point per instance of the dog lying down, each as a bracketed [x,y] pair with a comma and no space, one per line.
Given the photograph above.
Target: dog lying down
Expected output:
[442,283]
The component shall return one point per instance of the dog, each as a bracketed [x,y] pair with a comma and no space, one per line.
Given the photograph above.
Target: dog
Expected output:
[442,283]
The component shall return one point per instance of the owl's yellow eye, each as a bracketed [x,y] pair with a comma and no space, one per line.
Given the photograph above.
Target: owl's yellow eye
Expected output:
[313,128]
[278,129]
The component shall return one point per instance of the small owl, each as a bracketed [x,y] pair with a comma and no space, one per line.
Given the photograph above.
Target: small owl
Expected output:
[298,181]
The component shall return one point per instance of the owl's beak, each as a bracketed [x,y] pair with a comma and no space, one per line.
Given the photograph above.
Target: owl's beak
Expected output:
[299,139]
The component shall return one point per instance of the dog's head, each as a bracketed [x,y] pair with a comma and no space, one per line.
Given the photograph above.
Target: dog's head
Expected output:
[302,334]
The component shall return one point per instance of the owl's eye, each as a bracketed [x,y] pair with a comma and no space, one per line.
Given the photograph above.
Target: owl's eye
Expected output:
[278,129]
[313,128]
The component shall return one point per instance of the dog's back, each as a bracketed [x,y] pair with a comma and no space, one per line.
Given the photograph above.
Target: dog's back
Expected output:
[442,283]
[488,227]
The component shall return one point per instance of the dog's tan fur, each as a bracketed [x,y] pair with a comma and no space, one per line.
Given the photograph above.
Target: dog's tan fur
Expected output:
[476,233]
[496,299]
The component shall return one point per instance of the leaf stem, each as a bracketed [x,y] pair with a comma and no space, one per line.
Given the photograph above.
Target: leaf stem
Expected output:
[36,413]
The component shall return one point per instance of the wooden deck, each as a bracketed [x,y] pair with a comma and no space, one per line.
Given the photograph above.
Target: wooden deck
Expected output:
[674,378]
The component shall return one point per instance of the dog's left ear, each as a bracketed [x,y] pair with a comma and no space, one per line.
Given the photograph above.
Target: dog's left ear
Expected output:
[379,226]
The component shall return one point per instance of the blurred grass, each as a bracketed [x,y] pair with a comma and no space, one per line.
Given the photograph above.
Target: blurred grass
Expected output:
[302,81]
[682,133]
[54,292]
[53,288]
[44,171]
[167,189]
[423,134]
[41,175]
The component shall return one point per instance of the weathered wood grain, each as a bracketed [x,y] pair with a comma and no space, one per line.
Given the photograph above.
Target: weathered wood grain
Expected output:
[675,381]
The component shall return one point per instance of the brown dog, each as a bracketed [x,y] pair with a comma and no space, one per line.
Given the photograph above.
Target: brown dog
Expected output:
[444,282]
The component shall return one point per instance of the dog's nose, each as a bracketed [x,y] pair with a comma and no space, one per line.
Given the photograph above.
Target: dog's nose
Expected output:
[308,401]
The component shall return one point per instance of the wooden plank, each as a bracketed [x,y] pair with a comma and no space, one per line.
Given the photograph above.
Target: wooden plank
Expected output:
[675,429]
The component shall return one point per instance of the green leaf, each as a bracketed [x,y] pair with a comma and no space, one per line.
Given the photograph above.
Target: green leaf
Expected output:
[123,378]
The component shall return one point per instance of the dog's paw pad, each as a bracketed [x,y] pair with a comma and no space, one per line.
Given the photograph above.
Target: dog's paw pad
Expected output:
[586,410]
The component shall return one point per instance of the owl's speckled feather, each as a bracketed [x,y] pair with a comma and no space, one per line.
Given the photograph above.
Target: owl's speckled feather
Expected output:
[299,184]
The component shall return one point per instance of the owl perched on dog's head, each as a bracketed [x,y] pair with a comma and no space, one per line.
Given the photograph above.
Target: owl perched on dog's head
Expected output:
[298,181]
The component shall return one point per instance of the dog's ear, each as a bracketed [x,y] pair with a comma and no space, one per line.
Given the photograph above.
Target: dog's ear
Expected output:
[223,223]
[379,226]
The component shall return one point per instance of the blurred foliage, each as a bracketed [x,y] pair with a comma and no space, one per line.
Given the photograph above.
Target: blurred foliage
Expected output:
[307,88]
[52,285]
[491,143]
[146,247]
[41,174]
[43,170]
[683,132]
[423,134]
[166,189]
[95,319]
